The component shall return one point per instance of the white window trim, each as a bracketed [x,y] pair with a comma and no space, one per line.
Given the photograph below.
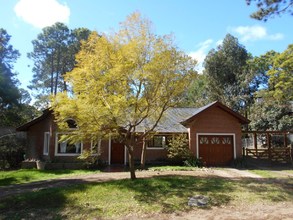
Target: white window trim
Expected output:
[212,134]
[99,146]
[48,141]
[62,154]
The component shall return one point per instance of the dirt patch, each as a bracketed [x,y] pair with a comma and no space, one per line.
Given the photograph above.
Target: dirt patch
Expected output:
[258,211]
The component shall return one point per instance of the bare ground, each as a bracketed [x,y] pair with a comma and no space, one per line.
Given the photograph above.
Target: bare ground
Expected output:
[279,211]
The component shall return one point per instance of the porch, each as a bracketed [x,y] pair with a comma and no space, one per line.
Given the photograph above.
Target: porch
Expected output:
[274,146]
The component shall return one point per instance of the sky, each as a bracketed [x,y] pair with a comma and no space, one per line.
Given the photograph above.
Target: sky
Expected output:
[198,25]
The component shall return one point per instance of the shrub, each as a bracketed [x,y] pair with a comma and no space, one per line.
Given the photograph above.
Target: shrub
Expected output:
[11,151]
[178,150]
[193,162]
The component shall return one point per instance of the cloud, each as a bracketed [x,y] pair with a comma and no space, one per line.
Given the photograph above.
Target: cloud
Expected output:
[202,50]
[42,13]
[254,33]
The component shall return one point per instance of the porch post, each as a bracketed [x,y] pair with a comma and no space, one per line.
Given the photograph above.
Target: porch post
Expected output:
[255,140]
[285,139]
[269,145]
[109,150]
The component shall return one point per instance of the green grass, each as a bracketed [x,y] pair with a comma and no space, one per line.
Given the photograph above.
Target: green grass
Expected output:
[272,173]
[31,175]
[172,168]
[142,197]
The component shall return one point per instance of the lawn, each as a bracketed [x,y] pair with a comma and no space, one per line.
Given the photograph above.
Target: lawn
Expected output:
[273,173]
[142,197]
[31,175]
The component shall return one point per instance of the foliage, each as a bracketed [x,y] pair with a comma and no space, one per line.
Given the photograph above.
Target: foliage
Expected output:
[196,95]
[272,108]
[269,8]
[281,76]
[9,94]
[193,162]
[122,81]
[178,149]
[53,55]
[92,160]
[171,168]
[14,102]
[11,151]
[227,72]
[268,114]
[143,198]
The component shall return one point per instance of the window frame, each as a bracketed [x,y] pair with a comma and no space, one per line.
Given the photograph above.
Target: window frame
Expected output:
[46,145]
[164,142]
[65,154]
[99,142]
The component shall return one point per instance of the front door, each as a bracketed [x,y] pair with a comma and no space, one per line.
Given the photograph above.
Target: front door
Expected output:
[117,152]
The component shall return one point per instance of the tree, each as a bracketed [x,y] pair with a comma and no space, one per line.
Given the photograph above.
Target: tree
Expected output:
[122,82]
[281,76]
[272,108]
[9,93]
[228,75]
[269,8]
[53,55]
[196,95]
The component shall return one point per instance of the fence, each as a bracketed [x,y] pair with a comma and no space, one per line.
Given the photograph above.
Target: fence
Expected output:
[271,145]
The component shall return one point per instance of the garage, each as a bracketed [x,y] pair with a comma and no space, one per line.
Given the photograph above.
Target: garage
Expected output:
[216,150]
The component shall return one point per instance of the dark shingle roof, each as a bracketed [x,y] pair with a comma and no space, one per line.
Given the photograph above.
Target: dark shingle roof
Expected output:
[172,118]
[176,120]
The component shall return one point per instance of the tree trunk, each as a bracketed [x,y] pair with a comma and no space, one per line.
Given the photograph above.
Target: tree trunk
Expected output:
[131,163]
[143,154]
[52,75]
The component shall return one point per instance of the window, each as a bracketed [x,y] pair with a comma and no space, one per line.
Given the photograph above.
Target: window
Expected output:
[66,148]
[96,147]
[159,141]
[204,140]
[215,140]
[71,123]
[46,143]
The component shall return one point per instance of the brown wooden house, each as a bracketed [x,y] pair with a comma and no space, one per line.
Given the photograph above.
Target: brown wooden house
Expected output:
[214,133]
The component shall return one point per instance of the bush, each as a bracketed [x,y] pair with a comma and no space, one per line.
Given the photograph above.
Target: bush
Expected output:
[193,162]
[92,161]
[178,150]
[11,152]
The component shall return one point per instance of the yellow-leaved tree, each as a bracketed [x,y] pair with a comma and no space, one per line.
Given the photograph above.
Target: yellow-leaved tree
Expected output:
[122,79]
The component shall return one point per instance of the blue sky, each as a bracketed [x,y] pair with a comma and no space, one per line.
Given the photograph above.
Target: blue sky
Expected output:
[198,25]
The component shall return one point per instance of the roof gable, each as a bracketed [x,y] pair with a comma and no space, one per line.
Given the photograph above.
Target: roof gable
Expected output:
[27,125]
[239,117]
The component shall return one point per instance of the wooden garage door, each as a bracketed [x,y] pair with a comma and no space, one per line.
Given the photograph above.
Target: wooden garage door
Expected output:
[216,150]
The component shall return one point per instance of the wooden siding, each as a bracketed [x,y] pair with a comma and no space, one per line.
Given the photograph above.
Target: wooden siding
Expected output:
[215,120]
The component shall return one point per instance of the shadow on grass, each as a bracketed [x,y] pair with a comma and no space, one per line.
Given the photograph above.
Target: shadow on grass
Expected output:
[7,181]
[163,194]
[52,203]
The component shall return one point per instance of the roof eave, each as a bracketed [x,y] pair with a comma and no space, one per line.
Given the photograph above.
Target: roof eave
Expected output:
[27,125]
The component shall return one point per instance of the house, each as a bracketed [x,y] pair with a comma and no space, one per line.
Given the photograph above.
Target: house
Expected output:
[214,133]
